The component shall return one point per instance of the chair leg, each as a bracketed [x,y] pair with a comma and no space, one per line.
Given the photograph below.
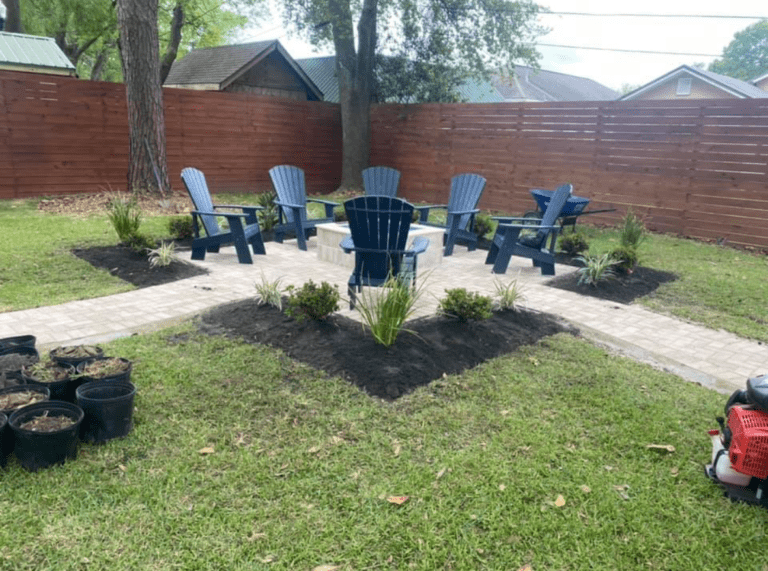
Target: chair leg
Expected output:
[257,244]
[198,253]
[241,246]
[351,295]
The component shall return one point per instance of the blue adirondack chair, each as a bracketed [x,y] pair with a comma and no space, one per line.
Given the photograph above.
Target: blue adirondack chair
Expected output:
[243,226]
[379,238]
[292,200]
[539,245]
[381,181]
[466,190]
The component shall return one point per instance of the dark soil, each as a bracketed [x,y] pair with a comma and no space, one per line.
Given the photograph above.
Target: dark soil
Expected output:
[134,268]
[339,347]
[435,346]
[623,288]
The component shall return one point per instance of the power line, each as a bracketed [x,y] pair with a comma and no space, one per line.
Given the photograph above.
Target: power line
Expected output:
[628,51]
[655,15]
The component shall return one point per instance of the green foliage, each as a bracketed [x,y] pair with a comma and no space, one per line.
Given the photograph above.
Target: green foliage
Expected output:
[386,310]
[508,295]
[140,243]
[268,216]
[596,269]
[464,305]
[631,230]
[270,292]
[181,227]
[626,259]
[310,300]
[573,243]
[483,225]
[125,215]
[746,57]
[162,256]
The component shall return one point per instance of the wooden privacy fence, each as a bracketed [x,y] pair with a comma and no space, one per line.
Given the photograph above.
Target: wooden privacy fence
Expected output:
[62,135]
[697,168]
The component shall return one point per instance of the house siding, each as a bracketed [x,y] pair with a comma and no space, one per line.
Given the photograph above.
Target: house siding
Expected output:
[272,76]
[699,90]
[762,84]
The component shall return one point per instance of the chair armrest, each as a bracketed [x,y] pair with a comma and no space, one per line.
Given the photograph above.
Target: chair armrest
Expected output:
[420,244]
[245,207]
[347,244]
[288,204]
[527,226]
[462,212]
[224,214]
[500,219]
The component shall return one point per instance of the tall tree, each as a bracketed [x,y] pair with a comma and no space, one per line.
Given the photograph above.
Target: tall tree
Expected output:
[437,42]
[13,16]
[746,57]
[147,169]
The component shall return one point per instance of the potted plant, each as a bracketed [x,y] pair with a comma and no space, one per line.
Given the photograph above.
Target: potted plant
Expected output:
[73,355]
[105,369]
[46,433]
[59,378]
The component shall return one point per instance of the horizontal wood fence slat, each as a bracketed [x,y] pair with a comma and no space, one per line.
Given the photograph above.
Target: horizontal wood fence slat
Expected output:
[697,168]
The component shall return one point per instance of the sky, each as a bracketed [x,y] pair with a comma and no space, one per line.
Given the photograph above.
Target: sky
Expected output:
[704,37]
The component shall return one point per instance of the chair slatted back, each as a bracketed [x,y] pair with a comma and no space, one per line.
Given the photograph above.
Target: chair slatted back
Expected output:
[554,208]
[197,187]
[379,226]
[466,190]
[381,181]
[289,184]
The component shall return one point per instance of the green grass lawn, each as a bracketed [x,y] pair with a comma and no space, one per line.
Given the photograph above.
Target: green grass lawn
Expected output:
[242,459]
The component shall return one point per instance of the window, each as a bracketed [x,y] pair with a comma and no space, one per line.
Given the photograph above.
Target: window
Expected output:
[684,86]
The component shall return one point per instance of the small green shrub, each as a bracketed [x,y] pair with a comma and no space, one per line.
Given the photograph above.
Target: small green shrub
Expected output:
[140,243]
[162,256]
[631,230]
[508,295]
[269,292]
[313,301]
[626,259]
[463,305]
[267,217]
[574,243]
[385,311]
[483,225]
[125,215]
[596,269]
[181,227]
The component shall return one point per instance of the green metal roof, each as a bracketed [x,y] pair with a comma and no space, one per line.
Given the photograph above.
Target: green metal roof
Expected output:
[23,51]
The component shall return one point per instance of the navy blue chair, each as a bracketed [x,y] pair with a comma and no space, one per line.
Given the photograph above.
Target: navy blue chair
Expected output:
[292,200]
[538,243]
[209,236]
[466,190]
[379,228]
[381,181]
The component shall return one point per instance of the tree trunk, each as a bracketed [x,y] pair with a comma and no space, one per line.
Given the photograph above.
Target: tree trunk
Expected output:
[354,71]
[13,17]
[177,23]
[137,21]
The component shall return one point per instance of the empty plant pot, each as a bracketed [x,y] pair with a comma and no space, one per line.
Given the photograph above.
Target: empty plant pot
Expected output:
[12,359]
[46,433]
[108,408]
[4,451]
[18,341]
[105,369]
[73,355]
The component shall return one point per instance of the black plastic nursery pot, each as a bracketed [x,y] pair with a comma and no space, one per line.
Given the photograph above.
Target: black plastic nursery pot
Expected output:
[13,358]
[63,389]
[18,341]
[82,369]
[43,392]
[37,450]
[108,408]
[65,355]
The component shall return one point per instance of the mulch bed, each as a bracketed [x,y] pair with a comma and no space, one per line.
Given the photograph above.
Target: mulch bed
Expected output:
[623,288]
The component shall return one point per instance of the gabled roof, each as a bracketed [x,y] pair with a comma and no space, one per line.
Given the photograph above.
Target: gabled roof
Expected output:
[528,84]
[735,87]
[759,79]
[224,64]
[20,52]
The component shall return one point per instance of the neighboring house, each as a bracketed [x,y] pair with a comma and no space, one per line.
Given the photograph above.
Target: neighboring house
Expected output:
[33,54]
[322,70]
[761,82]
[264,68]
[528,84]
[686,82]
